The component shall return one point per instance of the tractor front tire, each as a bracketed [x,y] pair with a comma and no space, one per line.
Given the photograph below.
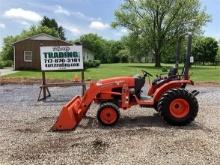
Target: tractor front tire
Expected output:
[178,107]
[108,114]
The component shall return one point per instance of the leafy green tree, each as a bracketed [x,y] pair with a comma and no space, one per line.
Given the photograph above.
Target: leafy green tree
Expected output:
[7,50]
[160,22]
[137,47]
[205,49]
[96,44]
[218,57]
[105,50]
[38,29]
[124,55]
[52,23]
[169,54]
[114,49]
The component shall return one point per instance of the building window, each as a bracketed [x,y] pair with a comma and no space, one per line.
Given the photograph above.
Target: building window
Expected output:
[28,56]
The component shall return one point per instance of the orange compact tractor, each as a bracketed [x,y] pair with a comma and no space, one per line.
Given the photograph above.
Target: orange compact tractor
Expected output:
[167,95]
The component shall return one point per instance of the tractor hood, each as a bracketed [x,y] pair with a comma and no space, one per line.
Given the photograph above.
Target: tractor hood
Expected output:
[127,79]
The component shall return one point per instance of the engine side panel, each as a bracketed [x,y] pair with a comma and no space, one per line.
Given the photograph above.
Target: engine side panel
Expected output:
[130,81]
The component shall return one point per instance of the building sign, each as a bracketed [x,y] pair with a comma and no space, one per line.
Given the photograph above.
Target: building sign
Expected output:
[61,58]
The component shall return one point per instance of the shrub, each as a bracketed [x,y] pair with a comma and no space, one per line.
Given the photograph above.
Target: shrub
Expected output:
[86,65]
[164,69]
[124,59]
[115,59]
[1,65]
[92,64]
[97,63]
[7,63]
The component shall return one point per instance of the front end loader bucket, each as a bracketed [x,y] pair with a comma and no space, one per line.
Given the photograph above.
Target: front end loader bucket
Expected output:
[69,116]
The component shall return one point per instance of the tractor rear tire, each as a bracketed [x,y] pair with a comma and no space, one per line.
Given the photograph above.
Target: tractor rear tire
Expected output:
[178,107]
[156,106]
[108,114]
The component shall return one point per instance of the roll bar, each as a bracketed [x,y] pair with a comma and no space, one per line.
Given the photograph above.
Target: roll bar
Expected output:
[187,64]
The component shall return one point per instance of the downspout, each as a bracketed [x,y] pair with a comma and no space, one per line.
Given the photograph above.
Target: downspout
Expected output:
[14,57]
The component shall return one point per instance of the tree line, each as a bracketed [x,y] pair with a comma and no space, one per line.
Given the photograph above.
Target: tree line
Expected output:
[128,49]
[154,26]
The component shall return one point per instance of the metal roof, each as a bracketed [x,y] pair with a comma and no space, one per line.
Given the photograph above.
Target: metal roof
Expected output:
[41,34]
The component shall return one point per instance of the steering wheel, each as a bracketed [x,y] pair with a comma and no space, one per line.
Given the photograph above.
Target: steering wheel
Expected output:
[146,73]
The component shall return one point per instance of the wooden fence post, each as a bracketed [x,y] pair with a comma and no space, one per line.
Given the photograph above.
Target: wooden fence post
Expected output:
[83,82]
[44,84]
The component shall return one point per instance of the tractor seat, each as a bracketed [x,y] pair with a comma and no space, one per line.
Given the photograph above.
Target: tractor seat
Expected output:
[157,81]
[172,72]
[171,75]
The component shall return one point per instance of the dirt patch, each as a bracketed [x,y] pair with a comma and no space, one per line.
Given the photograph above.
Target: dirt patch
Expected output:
[45,118]
[27,130]
[41,149]
[38,151]
[98,144]
[30,81]
[207,83]
[23,81]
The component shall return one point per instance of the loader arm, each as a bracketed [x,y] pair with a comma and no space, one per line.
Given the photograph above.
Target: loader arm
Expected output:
[73,112]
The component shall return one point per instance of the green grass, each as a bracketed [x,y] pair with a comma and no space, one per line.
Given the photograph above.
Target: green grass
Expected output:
[199,73]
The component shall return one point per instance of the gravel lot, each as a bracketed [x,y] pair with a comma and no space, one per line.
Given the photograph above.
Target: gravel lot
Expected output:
[140,137]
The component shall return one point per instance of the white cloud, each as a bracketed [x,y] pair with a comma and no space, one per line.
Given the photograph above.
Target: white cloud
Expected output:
[79,14]
[61,10]
[124,31]
[83,16]
[97,25]
[75,31]
[25,24]
[121,32]
[19,13]
[2,26]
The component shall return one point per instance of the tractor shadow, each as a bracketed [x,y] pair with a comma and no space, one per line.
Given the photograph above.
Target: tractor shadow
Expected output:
[139,122]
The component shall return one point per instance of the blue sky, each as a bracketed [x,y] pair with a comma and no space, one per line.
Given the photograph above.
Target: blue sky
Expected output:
[79,16]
